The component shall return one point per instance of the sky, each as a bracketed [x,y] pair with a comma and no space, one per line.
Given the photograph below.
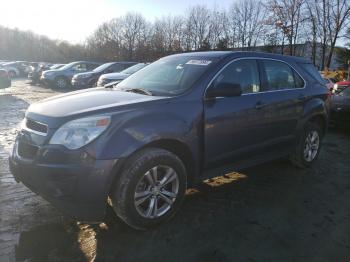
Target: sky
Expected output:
[74,20]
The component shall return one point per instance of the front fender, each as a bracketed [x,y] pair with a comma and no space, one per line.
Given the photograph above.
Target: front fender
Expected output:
[137,128]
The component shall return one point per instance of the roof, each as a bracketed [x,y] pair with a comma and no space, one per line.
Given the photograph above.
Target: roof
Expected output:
[222,54]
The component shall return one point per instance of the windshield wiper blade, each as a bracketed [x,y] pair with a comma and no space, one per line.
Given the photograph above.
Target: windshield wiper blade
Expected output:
[139,91]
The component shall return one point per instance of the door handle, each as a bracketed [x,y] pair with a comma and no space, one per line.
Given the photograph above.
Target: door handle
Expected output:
[259,105]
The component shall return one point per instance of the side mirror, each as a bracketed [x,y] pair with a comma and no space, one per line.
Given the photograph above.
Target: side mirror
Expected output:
[224,90]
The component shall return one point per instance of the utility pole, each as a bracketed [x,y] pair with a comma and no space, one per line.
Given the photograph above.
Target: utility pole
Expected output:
[349,70]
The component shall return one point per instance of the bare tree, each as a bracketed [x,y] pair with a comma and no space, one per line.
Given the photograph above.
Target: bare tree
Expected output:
[337,21]
[247,21]
[287,15]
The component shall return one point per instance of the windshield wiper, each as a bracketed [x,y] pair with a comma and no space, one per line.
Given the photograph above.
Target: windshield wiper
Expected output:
[139,91]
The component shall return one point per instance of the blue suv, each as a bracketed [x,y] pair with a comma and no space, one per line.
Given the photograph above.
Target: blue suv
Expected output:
[182,119]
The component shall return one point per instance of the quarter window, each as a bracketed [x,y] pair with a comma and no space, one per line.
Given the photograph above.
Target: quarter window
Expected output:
[281,76]
[242,72]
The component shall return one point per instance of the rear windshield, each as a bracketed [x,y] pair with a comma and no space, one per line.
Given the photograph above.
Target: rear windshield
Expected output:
[312,71]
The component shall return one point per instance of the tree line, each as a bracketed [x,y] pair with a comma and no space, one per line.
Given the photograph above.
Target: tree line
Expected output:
[274,25]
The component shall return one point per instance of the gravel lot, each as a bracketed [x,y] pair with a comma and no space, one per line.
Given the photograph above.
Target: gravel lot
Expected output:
[273,212]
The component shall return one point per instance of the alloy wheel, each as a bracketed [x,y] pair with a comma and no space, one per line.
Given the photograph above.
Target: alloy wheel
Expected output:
[156,191]
[312,144]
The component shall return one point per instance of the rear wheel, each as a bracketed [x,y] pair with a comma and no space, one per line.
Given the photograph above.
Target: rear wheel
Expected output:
[61,82]
[150,189]
[308,148]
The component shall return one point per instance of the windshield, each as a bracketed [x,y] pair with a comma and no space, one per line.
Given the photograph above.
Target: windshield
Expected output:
[133,69]
[56,66]
[67,66]
[168,76]
[102,67]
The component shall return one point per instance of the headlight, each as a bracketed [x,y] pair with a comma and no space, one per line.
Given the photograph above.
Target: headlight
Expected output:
[335,87]
[77,133]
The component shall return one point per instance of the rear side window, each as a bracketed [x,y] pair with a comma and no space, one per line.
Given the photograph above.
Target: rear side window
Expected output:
[312,71]
[281,76]
[118,67]
[91,66]
[243,72]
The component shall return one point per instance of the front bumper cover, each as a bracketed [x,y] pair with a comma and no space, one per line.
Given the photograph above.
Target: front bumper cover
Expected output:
[73,182]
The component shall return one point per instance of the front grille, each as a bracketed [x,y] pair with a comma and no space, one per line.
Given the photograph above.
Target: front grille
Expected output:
[26,150]
[36,126]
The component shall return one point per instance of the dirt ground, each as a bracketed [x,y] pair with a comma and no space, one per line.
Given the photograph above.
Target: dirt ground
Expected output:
[272,212]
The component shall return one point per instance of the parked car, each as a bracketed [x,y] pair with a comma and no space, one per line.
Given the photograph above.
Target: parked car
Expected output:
[61,78]
[5,80]
[341,104]
[11,70]
[89,79]
[329,83]
[115,78]
[35,73]
[17,68]
[178,121]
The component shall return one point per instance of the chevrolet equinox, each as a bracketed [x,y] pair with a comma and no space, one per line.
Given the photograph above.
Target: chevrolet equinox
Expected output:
[182,119]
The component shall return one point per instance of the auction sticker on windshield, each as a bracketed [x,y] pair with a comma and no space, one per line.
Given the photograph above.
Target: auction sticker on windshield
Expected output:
[199,62]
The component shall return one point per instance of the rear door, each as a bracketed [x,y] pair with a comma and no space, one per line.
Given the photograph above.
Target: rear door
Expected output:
[282,100]
[260,121]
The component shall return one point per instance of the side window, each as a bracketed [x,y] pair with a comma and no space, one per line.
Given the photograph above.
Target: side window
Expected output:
[243,72]
[281,76]
[80,68]
[299,82]
[91,66]
[117,67]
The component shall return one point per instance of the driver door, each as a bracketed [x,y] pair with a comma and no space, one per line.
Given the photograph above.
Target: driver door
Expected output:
[234,126]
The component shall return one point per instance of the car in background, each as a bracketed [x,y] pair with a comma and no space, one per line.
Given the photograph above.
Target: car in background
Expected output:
[89,79]
[35,72]
[329,83]
[10,69]
[5,80]
[115,78]
[340,113]
[61,78]
[20,66]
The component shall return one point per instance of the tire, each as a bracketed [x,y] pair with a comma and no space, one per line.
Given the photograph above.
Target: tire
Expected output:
[306,152]
[12,74]
[61,82]
[132,196]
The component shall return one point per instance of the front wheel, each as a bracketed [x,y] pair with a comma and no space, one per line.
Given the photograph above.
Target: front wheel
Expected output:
[12,74]
[150,189]
[308,148]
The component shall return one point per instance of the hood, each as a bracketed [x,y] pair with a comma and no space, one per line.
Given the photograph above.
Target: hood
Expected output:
[85,101]
[114,76]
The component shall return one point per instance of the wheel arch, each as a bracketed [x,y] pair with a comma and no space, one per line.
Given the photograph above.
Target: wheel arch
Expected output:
[178,148]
